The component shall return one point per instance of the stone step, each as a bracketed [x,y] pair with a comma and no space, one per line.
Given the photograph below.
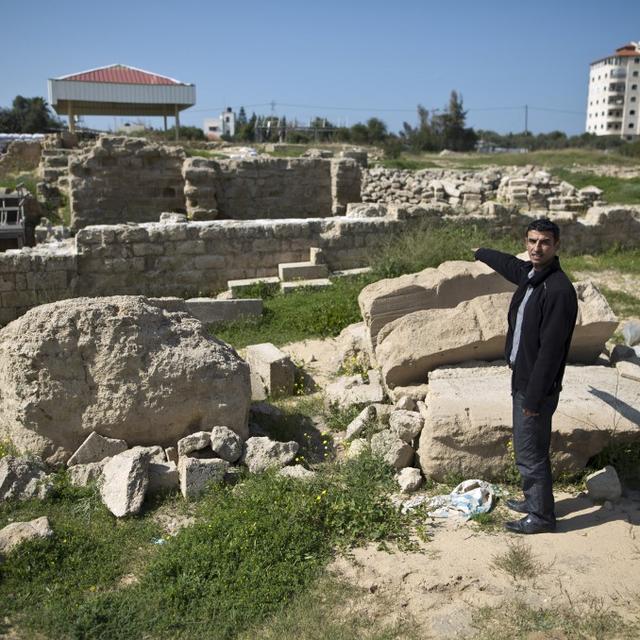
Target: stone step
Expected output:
[318,283]
[290,271]
[209,310]
[238,286]
[52,153]
[358,271]
[56,161]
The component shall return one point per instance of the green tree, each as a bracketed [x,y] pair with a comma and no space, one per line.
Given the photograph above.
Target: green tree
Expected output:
[376,131]
[28,115]
[455,135]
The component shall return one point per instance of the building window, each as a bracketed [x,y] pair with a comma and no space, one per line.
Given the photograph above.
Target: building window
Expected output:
[635,74]
[632,112]
[633,98]
[631,125]
[634,86]
[636,60]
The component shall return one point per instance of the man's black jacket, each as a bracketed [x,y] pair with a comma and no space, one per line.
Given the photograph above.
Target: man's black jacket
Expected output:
[547,326]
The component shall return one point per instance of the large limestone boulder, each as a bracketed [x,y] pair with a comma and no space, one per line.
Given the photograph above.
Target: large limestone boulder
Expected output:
[412,346]
[468,420]
[433,288]
[121,366]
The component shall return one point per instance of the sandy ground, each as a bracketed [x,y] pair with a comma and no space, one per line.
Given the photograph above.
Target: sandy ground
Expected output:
[593,559]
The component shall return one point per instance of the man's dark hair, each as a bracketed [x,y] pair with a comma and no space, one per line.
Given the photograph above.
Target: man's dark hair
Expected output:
[544,224]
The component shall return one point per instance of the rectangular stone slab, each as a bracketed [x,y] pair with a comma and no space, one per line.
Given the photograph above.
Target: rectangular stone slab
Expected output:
[468,420]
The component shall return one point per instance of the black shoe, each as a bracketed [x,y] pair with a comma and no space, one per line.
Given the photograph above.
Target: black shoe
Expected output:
[517,505]
[528,525]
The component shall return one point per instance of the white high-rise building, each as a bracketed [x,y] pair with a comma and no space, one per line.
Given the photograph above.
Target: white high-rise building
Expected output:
[614,95]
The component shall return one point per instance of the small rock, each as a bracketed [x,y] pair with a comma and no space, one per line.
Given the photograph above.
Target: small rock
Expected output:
[262,453]
[407,425]
[631,332]
[80,475]
[392,449]
[409,479]
[18,532]
[193,442]
[356,448]
[297,472]
[349,390]
[171,454]
[621,352]
[196,474]
[96,448]
[406,403]
[22,479]
[226,444]
[357,426]
[124,481]
[604,484]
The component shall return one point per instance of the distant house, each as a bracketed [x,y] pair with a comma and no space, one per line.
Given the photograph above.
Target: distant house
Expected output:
[613,102]
[225,125]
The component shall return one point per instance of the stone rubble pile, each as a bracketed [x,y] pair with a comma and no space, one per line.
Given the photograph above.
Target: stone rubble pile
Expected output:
[528,188]
[125,476]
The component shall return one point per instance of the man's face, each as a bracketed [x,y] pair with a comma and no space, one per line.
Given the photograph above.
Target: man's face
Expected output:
[542,248]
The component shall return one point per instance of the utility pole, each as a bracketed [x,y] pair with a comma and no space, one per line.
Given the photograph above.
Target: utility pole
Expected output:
[526,119]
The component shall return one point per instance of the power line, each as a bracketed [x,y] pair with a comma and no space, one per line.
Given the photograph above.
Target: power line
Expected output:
[272,103]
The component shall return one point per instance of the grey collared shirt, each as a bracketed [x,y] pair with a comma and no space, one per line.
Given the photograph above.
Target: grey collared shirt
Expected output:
[517,331]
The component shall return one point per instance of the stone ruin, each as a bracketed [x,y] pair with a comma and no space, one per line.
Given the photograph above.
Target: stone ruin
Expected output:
[527,188]
[449,415]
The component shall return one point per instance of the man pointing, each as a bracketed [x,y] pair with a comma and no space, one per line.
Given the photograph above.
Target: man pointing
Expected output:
[541,317]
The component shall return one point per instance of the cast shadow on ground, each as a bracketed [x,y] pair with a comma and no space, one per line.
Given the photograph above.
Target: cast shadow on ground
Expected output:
[624,409]
[626,510]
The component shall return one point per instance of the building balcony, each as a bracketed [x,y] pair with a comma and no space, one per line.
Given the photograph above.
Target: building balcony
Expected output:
[615,100]
[616,88]
[619,74]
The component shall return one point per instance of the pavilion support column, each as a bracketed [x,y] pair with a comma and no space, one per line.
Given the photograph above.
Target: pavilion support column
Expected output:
[72,124]
[165,122]
[177,113]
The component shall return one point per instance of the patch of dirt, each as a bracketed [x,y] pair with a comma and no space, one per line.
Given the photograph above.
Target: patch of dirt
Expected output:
[593,557]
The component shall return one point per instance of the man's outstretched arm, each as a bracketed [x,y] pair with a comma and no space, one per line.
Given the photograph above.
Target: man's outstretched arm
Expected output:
[505,264]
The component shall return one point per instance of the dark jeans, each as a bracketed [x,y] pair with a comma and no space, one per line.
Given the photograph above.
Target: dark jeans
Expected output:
[531,440]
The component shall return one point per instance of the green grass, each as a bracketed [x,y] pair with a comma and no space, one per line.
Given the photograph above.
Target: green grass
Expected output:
[411,164]
[623,260]
[553,159]
[517,561]
[518,620]
[203,153]
[254,547]
[430,246]
[298,315]
[623,304]
[615,190]
[326,612]
[28,179]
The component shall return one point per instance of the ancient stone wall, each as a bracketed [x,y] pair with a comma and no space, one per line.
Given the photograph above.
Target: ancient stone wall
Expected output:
[271,188]
[34,276]
[196,258]
[21,155]
[129,179]
[125,179]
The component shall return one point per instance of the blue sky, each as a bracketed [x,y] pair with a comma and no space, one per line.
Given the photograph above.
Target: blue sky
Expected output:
[346,61]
